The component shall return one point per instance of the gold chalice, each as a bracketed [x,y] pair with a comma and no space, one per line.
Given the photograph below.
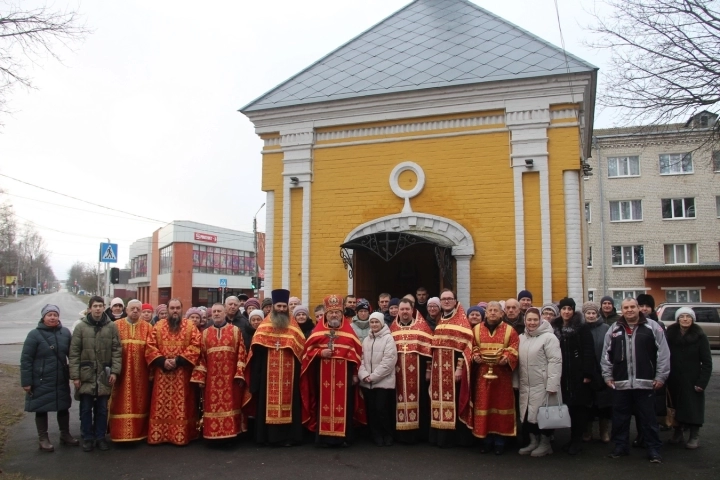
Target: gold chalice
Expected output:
[491,358]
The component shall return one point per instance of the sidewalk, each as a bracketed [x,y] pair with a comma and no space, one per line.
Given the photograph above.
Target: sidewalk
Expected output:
[10,354]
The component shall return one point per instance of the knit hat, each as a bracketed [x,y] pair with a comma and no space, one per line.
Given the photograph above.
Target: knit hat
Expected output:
[117,301]
[259,313]
[686,310]
[160,308]
[49,308]
[193,311]
[146,306]
[394,301]
[294,299]
[482,304]
[266,302]
[645,299]
[524,294]
[301,309]
[607,298]
[434,300]
[253,302]
[480,310]
[590,306]
[567,302]
[551,306]
[362,305]
[242,296]
[377,316]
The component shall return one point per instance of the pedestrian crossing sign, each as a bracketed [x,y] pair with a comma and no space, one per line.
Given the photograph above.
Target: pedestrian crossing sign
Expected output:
[108,252]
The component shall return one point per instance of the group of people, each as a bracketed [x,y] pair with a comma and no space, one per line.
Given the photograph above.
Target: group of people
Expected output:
[414,369]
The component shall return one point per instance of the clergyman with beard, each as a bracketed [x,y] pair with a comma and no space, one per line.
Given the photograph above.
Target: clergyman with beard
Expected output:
[273,373]
[172,351]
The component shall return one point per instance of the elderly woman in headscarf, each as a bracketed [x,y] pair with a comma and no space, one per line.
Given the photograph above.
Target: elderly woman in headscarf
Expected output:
[602,396]
[250,305]
[161,313]
[690,369]
[45,377]
[194,314]
[301,314]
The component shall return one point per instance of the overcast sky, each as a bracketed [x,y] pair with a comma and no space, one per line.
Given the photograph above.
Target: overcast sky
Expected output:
[142,116]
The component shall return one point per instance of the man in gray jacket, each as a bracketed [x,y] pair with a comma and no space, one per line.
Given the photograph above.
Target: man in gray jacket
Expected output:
[635,363]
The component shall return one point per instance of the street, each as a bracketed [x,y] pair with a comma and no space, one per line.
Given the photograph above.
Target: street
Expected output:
[17,319]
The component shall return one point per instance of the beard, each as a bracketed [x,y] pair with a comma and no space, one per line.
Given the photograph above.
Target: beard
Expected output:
[334,323]
[279,320]
[174,322]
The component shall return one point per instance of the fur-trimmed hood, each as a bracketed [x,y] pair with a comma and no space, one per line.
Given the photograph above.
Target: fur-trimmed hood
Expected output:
[675,337]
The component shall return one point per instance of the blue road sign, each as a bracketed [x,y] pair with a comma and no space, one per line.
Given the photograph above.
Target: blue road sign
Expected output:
[108,252]
[223,282]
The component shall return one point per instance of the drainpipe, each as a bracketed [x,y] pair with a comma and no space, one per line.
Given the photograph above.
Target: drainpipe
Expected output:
[603,253]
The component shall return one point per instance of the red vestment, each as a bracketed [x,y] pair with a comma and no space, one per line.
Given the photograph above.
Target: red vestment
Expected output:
[130,401]
[173,414]
[413,346]
[221,366]
[452,338]
[325,383]
[494,400]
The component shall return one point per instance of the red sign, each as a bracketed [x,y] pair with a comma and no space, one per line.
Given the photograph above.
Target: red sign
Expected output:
[205,237]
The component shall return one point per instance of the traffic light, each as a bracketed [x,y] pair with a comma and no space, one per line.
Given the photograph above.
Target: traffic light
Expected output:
[254,283]
[114,275]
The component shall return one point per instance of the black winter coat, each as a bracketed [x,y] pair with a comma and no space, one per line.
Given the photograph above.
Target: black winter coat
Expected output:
[44,371]
[578,360]
[690,367]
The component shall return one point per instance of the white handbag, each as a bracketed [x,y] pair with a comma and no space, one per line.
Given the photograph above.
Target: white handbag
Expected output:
[553,416]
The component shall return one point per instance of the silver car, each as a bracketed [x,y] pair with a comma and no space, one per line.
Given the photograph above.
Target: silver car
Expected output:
[707,317]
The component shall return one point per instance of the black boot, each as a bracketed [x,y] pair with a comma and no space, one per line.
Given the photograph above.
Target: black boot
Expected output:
[63,419]
[41,423]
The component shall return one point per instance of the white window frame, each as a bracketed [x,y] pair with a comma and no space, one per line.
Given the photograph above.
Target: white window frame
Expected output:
[620,210]
[676,159]
[625,293]
[687,291]
[591,294]
[686,253]
[590,257]
[622,255]
[627,161]
[685,209]
[588,212]
[717,205]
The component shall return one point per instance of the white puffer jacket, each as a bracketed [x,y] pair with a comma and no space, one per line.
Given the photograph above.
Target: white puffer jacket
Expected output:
[379,358]
[540,369]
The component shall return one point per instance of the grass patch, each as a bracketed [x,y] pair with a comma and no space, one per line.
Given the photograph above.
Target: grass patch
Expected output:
[12,403]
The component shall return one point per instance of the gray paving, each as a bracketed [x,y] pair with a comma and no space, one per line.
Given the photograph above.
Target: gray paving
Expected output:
[427,44]
[17,319]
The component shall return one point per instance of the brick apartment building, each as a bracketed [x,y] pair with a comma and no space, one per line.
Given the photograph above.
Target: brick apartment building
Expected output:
[652,209]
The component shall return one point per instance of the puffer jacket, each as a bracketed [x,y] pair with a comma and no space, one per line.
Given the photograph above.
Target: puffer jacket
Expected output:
[379,358]
[361,328]
[94,346]
[44,371]
[540,369]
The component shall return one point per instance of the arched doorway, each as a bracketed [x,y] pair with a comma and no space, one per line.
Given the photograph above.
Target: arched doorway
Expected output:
[400,252]
[398,263]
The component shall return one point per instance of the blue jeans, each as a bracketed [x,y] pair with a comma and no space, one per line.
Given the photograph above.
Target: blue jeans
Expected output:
[642,404]
[93,417]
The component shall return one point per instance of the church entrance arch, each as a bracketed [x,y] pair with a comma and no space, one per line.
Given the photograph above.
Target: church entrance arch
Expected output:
[398,253]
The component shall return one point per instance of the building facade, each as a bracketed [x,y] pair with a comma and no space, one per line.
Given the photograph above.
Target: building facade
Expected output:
[442,148]
[197,263]
[652,211]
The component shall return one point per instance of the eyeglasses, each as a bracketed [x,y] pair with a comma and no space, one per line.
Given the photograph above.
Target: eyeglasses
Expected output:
[447,299]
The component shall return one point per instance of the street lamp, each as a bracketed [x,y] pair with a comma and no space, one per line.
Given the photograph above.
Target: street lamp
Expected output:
[257,272]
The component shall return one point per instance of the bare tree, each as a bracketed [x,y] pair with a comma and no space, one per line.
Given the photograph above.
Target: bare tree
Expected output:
[29,35]
[665,59]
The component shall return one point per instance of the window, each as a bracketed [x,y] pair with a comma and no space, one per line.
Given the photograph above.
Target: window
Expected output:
[166,259]
[591,295]
[716,161]
[678,208]
[628,255]
[588,213]
[589,259]
[222,261]
[620,295]
[623,167]
[626,211]
[717,206]
[682,295]
[676,164]
[138,266]
[681,254]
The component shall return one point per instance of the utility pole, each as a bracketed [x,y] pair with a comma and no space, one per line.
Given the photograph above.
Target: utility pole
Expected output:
[257,267]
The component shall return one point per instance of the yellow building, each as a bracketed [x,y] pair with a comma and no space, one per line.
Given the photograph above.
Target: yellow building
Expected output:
[442,147]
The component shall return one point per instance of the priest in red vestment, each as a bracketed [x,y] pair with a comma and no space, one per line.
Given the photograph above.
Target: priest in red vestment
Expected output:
[221,376]
[328,382]
[450,399]
[493,398]
[273,374]
[130,400]
[413,338]
[173,349]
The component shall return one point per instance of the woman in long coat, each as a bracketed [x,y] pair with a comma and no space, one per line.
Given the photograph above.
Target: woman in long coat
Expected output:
[540,371]
[602,395]
[45,378]
[690,369]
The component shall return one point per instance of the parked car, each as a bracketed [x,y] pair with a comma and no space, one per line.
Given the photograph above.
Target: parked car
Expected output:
[707,317]
[81,292]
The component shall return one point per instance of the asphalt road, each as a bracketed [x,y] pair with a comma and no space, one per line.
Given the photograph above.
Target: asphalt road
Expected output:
[17,319]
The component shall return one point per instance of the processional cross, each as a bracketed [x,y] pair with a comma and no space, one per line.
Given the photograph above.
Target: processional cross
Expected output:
[331,339]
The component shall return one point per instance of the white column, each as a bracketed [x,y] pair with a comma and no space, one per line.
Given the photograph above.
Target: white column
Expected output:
[571,187]
[519,229]
[269,241]
[462,265]
[287,220]
[545,231]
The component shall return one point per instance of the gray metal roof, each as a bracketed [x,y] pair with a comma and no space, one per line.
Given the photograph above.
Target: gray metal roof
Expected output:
[427,44]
